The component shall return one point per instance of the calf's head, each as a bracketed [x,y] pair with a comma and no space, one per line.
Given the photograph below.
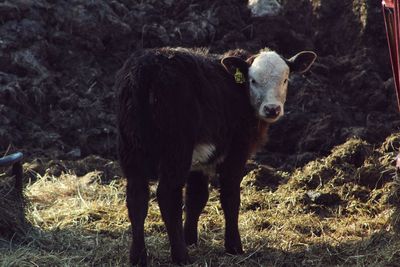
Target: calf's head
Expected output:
[266,75]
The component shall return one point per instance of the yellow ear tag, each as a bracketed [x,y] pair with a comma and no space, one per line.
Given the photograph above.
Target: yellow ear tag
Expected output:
[239,77]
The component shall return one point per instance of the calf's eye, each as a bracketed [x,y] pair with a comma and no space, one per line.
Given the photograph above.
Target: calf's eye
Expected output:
[285,81]
[252,81]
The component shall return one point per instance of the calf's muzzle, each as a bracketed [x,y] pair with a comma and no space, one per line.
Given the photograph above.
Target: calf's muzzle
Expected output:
[272,111]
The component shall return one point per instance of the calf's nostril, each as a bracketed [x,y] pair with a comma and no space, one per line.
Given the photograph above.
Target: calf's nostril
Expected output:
[272,111]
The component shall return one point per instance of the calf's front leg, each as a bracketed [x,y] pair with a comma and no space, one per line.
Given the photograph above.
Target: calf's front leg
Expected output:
[231,173]
[196,197]
[230,201]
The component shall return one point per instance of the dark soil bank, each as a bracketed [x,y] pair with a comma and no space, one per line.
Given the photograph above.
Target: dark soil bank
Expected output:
[58,59]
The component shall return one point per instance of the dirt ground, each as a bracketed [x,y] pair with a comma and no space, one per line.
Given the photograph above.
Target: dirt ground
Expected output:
[58,60]
[320,193]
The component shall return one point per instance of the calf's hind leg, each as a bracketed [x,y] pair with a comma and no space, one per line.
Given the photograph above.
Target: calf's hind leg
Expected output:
[196,197]
[169,196]
[173,173]
[137,198]
[137,201]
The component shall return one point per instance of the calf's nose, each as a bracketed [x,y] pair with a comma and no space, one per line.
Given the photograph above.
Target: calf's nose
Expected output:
[271,111]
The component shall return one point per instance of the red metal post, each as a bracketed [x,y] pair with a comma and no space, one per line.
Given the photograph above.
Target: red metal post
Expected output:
[391,13]
[388,3]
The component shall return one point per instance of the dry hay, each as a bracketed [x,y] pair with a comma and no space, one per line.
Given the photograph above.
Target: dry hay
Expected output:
[391,146]
[333,211]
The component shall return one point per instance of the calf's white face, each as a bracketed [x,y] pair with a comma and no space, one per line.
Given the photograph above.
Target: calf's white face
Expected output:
[268,80]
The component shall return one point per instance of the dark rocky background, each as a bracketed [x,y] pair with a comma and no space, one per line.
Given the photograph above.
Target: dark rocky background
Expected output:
[58,59]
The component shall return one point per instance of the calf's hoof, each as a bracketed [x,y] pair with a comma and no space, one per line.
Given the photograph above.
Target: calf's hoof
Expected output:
[190,237]
[139,258]
[233,244]
[234,250]
[180,257]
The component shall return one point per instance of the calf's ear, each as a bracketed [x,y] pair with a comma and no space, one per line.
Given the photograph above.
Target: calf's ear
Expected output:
[302,61]
[234,64]
[237,67]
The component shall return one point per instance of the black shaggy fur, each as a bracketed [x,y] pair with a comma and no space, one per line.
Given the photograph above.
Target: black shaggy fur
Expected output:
[171,100]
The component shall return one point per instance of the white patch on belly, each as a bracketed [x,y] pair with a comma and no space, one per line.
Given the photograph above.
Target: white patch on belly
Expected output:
[202,153]
[261,8]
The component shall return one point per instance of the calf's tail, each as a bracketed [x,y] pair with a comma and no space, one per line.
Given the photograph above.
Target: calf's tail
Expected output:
[136,142]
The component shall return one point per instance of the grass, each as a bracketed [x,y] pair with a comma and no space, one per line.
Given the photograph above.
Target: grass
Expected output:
[332,212]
